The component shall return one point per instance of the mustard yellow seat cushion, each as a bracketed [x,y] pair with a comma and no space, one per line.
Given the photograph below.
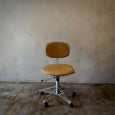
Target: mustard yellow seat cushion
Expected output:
[58,69]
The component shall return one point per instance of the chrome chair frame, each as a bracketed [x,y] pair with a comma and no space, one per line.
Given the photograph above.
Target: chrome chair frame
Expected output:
[57,91]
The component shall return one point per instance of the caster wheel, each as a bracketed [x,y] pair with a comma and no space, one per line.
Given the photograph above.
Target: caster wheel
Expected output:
[70,104]
[45,104]
[73,93]
[41,93]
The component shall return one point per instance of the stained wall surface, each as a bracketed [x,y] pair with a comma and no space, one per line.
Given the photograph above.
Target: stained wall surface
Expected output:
[88,26]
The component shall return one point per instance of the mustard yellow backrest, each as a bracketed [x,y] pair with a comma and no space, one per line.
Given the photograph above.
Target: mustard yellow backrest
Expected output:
[57,49]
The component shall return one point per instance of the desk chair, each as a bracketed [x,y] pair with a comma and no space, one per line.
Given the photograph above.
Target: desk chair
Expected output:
[57,50]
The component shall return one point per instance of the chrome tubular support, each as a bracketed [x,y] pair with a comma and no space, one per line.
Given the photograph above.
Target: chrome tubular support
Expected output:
[57,85]
[57,91]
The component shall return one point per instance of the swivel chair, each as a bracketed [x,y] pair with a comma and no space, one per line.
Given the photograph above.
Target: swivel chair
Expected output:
[57,50]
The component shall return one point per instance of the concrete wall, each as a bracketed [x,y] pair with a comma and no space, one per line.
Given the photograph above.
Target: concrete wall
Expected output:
[88,26]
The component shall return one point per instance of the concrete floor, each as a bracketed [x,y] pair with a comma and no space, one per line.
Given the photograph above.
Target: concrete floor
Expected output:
[24,99]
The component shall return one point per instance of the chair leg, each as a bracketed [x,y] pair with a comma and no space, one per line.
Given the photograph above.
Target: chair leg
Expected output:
[57,91]
[64,96]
